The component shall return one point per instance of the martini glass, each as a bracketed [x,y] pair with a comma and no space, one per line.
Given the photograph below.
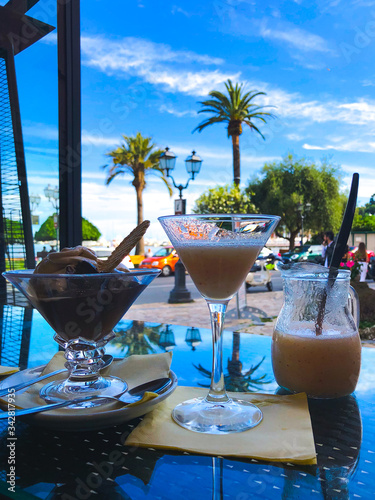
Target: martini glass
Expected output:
[82,309]
[218,252]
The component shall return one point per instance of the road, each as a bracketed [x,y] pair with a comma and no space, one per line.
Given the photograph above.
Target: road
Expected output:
[158,290]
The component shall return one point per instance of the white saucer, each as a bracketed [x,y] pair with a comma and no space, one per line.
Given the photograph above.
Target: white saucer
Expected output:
[70,420]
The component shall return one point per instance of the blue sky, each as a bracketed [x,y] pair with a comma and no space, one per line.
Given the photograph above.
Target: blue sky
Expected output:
[146,64]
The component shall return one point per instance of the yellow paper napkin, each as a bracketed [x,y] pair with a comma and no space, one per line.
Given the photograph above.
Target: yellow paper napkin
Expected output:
[284,435]
[135,370]
[7,370]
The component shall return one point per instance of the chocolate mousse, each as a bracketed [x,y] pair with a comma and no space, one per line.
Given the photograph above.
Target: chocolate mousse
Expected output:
[80,301]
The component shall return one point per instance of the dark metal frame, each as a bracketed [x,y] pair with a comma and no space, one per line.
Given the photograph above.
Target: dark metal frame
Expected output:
[69,81]
[20,159]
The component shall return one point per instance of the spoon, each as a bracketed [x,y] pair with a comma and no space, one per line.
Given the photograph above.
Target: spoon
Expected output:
[126,398]
[107,358]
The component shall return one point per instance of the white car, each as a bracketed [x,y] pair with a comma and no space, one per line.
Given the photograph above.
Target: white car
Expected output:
[104,252]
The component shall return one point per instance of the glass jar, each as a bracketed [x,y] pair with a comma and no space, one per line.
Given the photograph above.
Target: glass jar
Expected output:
[316,347]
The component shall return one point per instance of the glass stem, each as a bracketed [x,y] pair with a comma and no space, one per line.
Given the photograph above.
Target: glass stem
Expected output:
[217,392]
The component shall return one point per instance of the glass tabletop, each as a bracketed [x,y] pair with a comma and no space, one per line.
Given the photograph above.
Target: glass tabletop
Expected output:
[83,465]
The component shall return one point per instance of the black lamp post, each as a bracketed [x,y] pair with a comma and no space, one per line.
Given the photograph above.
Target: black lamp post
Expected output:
[52,195]
[166,339]
[193,337]
[303,209]
[167,161]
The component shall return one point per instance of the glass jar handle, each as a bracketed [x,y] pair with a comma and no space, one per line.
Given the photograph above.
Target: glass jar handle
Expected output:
[353,305]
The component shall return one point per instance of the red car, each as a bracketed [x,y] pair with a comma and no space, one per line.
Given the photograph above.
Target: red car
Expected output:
[352,251]
[164,259]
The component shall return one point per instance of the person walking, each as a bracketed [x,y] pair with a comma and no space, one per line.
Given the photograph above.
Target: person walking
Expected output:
[363,259]
[327,249]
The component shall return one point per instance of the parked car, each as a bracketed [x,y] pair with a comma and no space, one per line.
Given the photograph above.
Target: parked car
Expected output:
[310,253]
[104,252]
[352,251]
[164,259]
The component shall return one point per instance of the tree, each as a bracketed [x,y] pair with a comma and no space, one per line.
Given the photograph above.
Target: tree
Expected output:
[369,208]
[13,230]
[47,231]
[136,338]
[224,199]
[235,108]
[89,231]
[138,157]
[363,222]
[283,185]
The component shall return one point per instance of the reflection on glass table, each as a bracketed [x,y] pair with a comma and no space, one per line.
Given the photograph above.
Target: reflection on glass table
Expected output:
[54,465]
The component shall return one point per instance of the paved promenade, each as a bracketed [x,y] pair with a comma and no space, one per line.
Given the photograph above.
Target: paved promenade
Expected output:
[259,316]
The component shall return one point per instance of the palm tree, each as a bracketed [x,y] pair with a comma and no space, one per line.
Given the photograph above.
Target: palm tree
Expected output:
[236,379]
[137,338]
[138,157]
[235,109]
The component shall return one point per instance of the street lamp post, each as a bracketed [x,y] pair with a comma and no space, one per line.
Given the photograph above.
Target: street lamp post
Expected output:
[34,201]
[167,161]
[303,209]
[52,195]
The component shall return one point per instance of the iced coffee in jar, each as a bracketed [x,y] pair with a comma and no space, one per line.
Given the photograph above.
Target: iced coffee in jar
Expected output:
[316,348]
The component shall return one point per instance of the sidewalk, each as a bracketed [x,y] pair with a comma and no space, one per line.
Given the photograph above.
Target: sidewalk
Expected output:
[264,306]
[259,318]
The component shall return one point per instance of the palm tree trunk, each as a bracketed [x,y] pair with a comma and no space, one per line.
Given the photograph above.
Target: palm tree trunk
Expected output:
[140,248]
[236,159]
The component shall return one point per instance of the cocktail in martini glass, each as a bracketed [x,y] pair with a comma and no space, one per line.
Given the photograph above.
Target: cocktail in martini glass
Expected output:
[218,251]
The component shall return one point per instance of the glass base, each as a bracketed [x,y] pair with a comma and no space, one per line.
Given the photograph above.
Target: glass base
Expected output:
[199,415]
[54,392]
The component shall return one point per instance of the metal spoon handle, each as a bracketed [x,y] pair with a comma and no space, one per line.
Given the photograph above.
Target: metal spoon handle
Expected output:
[52,406]
[107,358]
[135,394]
[23,385]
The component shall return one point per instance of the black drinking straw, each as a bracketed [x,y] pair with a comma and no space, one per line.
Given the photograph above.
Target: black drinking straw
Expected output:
[339,249]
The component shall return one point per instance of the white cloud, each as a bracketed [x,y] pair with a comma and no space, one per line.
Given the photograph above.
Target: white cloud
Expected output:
[343,144]
[188,82]
[42,151]
[179,10]
[294,137]
[293,105]
[175,72]
[297,41]
[50,39]
[155,63]
[368,83]
[99,140]
[295,37]
[172,111]
[135,52]
[42,130]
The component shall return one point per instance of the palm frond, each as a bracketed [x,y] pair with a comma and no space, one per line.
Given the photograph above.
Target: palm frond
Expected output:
[234,105]
[210,121]
[254,127]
